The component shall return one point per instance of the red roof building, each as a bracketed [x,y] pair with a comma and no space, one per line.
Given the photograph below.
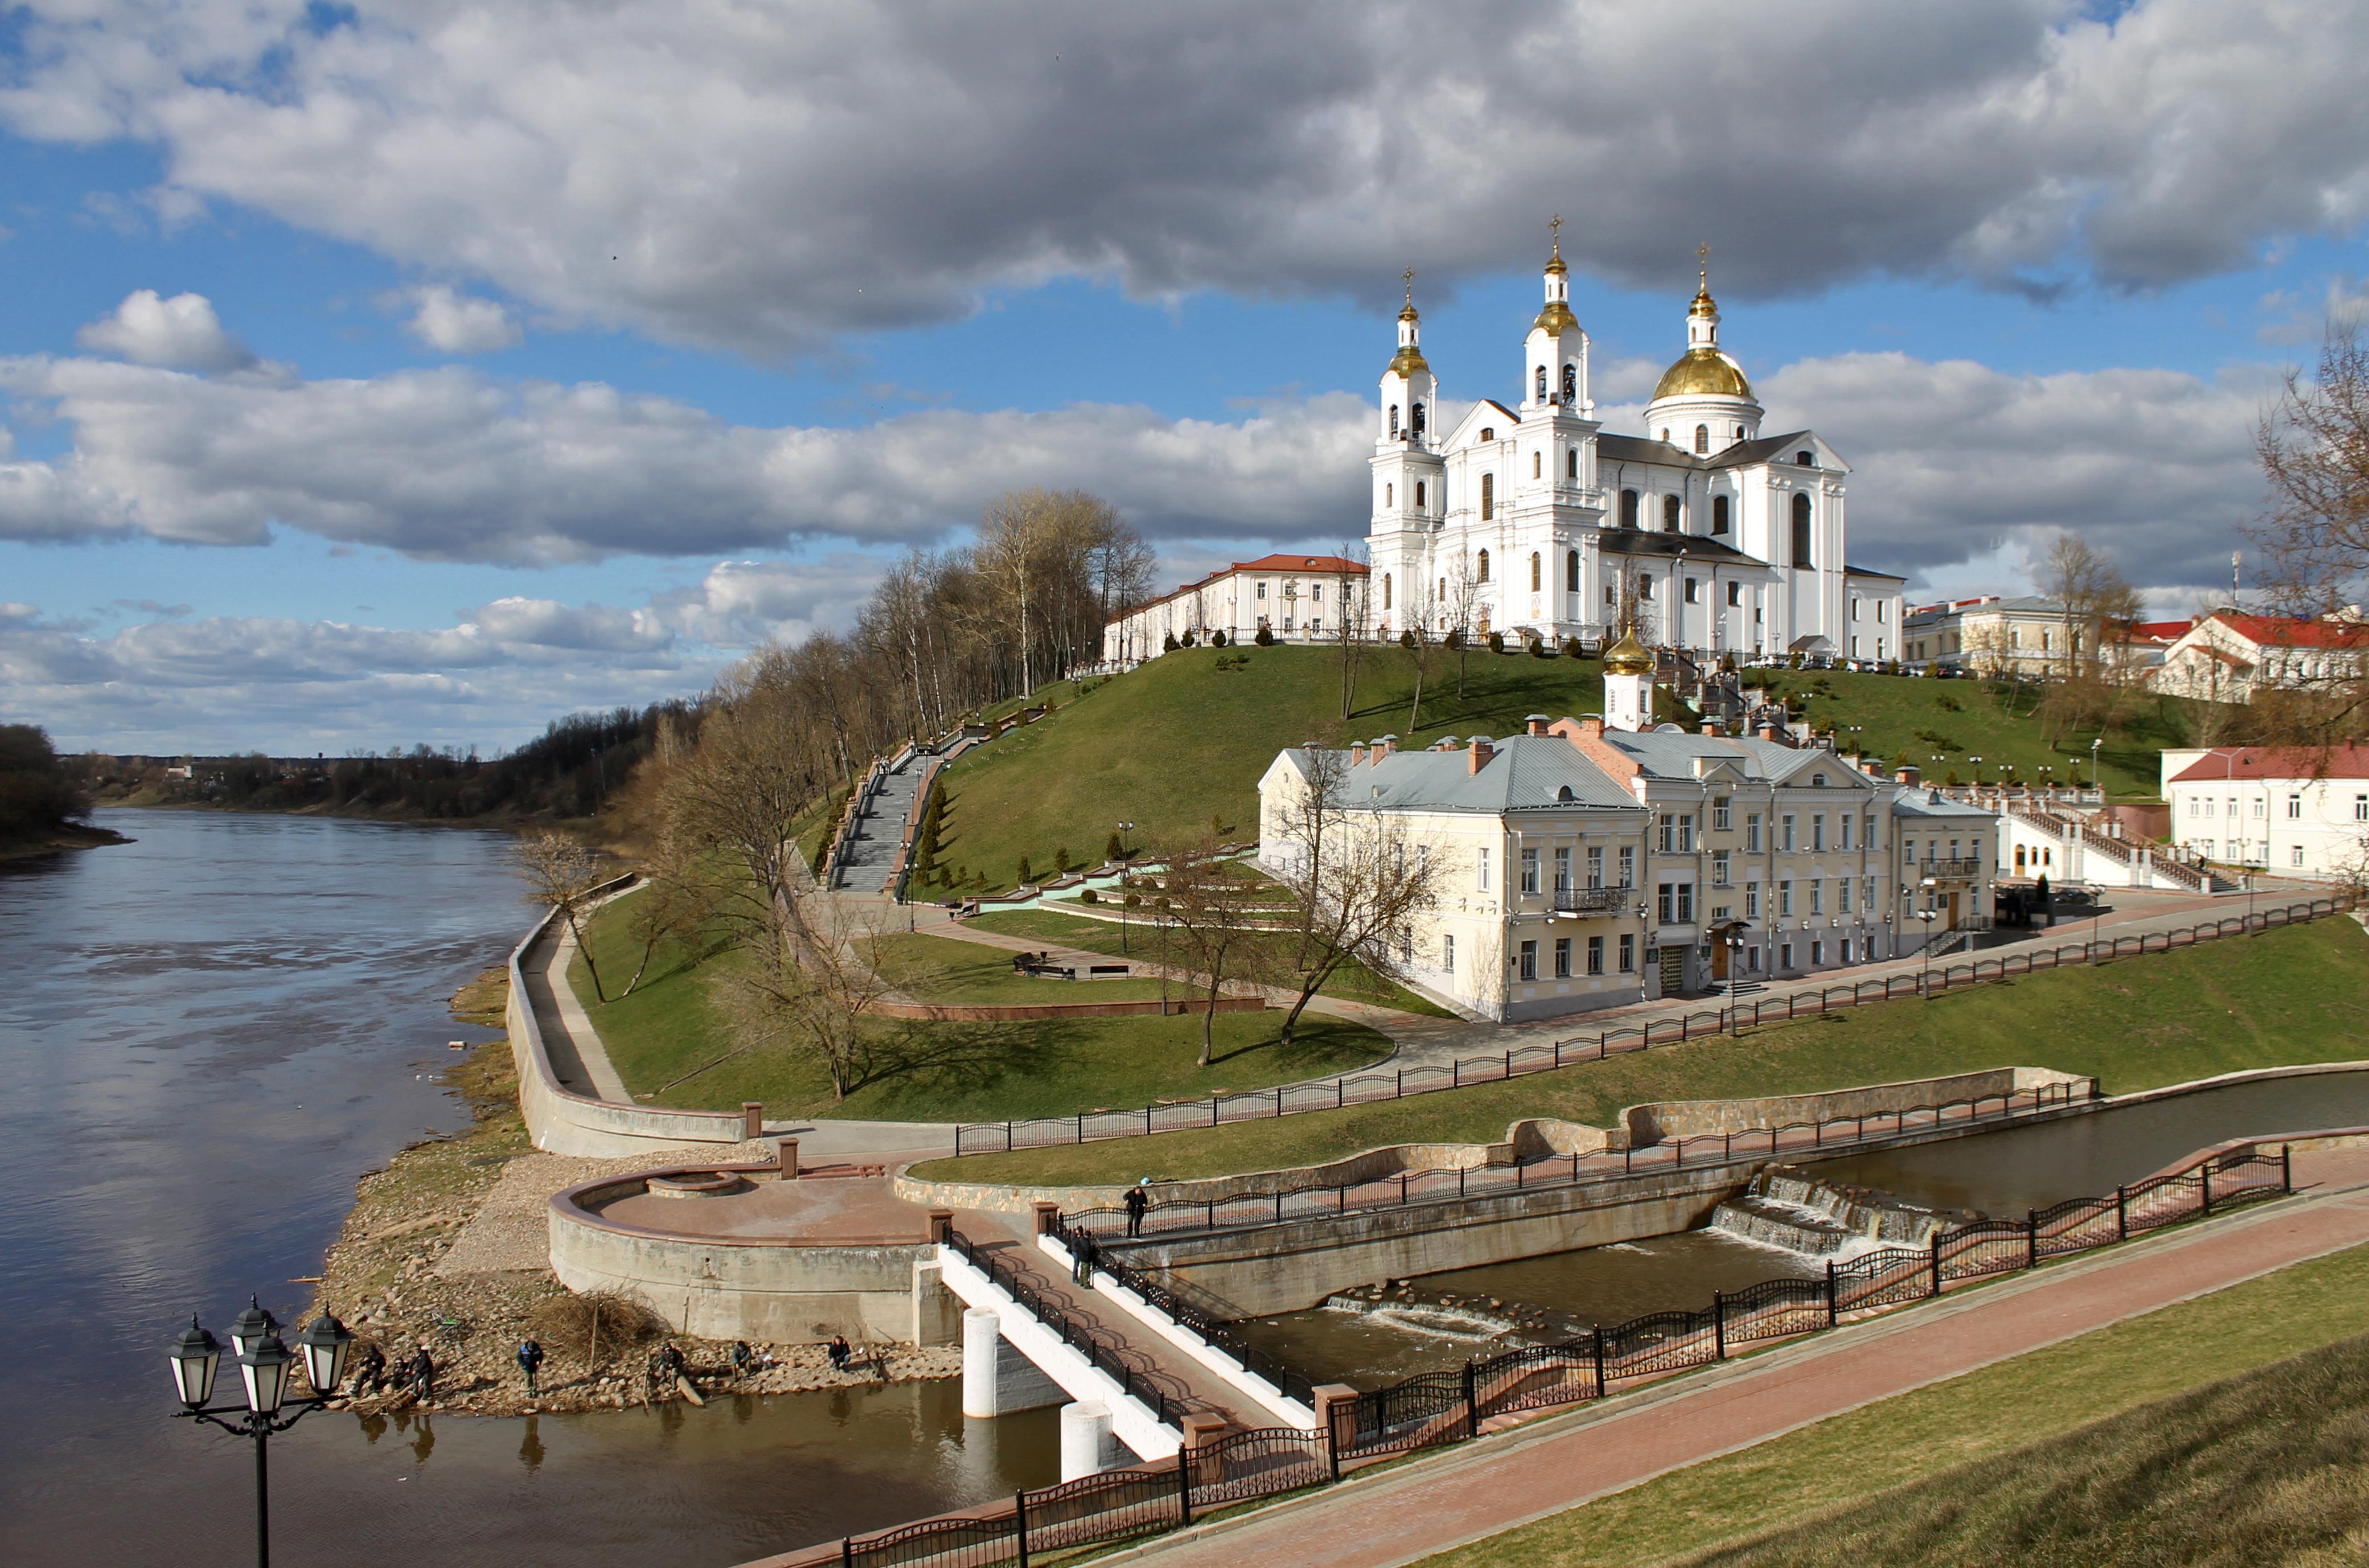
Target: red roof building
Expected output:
[1299,598]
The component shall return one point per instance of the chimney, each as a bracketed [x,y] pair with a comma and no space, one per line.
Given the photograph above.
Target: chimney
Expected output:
[1907,776]
[1536,724]
[1711,726]
[1390,744]
[1446,743]
[1477,755]
[1358,755]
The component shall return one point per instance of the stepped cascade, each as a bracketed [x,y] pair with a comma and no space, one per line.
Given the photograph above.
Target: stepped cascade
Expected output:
[1787,1207]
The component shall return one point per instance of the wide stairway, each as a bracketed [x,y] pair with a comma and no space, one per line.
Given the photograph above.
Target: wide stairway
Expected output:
[870,851]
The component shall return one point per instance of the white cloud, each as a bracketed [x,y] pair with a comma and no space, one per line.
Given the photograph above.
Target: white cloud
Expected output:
[763,179]
[182,332]
[460,323]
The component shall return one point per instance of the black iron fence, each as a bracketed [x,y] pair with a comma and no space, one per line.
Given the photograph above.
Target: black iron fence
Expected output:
[1180,1216]
[1101,1349]
[1088,1255]
[1436,1408]
[1334,1094]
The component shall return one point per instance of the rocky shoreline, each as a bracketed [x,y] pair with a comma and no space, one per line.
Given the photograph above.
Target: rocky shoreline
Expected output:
[446,1246]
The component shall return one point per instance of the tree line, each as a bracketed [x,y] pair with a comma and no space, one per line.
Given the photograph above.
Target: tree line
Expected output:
[40,792]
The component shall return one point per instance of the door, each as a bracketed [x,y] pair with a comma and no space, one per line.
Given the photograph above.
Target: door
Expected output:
[1673,970]
[1953,911]
[1719,959]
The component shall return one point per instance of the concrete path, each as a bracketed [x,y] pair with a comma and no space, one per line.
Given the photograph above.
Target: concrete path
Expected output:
[578,1058]
[1411,1512]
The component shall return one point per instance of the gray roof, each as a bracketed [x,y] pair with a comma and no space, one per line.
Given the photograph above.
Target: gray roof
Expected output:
[1665,755]
[1743,454]
[1645,541]
[1529,772]
[1923,801]
[1872,572]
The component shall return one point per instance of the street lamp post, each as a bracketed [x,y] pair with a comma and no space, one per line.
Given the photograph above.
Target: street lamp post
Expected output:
[263,1362]
[1929,914]
[1124,855]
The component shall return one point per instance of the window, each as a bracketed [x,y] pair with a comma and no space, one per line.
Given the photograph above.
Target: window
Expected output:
[1529,961]
[2361,809]
[1752,954]
[1537,465]
[2295,808]
[1262,590]
[1595,955]
[1628,866]
[1570,572]
[1316,593]
[1571,462]
[1785,837]
[1562,957]
[2260,806]
[1719,868]
[1690,592]
[1785,956]
[1719,517]
[1610,597]
[1752,832]
[1448,953]
[1818,953]
[1484,555]
[1627,953]
[1488,498]
[1669,514]
[1571,381]
[1801,530]
[1842,829]
[1842,894]
[1867,826]
[1534,571]
[1686,902]
[1628,509]
[1817,895]
[1594,867]
[1818,833]
[1418,494]
[1540,383]
[1485,868]
[1784,898]
[1417,415]
[1386,590]
[1685,832]
[1702,438]
[1390,494]
[1669,826]
[1529,871]
[2297,854]
[1807,460]
[1752,900]
[1394,421]
[1719,816]
[1666,903]
[1867,896]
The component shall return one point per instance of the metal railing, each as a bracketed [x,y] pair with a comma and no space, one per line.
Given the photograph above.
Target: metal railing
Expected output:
[1962,866]
[1591,900]
[1085,1246]
[1108,1226]
[1100,1349]
[1359,1089]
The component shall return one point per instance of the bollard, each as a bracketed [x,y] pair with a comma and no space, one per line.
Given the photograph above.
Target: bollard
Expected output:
[786,1158]
[752,1119]
[1330,1400]
[941,1226]
[1047,1215]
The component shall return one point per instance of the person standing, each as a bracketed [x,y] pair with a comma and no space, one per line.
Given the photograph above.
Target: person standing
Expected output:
[423,1374]
[1138,1200]
[530,1360]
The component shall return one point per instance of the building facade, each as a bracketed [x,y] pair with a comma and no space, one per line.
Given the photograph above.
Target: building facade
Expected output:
[1530,518]
[2227,656]
[2290,811]
[1296,598]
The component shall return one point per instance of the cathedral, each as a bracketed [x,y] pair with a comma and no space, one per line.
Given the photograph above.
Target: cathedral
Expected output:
[1533,519]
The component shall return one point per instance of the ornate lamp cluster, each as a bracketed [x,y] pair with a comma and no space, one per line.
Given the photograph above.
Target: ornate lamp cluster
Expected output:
[264,1361]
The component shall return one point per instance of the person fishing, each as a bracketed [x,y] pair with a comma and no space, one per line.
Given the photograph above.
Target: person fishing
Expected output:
[530,1360]
[743,1358]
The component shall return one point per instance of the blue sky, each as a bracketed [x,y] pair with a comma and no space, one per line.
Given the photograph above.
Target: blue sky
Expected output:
[330,423]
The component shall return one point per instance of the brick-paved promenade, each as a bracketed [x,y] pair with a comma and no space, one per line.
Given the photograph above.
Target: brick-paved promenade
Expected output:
[1411,1512]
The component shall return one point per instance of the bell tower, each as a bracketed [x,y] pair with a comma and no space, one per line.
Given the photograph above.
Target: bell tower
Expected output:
[1408,477]
[1555,373]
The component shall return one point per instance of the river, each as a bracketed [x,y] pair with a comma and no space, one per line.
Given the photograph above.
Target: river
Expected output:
[212,1031]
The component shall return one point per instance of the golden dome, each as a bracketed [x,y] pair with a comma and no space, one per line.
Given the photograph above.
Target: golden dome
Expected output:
[1703,372]
[1627,656]
[1703,303]
[1408,314]
[1556,317]
[1409,361]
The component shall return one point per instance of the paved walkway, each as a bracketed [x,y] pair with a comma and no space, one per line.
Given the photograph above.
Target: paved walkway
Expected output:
[578,1058]
[1406,1514]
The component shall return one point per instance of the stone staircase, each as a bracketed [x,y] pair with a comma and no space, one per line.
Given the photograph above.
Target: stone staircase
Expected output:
[874,845]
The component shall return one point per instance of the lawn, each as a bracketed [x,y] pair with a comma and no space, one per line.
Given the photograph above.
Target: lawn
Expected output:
[2289,996]
[937,968]
[1179,744]
[2118,1447]
[671,1029]
[1353,982]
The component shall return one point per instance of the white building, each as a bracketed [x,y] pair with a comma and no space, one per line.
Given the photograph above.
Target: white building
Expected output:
[2226,657]
[1298,598]
[1528,517]
[2295,811]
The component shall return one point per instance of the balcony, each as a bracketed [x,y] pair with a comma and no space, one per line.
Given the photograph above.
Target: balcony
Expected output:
[1590,900]
[1965,870]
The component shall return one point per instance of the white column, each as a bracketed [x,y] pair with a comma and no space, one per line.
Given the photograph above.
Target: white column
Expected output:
[982,1356]
[1088,1446]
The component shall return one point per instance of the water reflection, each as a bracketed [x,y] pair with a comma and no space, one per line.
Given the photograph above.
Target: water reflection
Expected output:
[207,1035]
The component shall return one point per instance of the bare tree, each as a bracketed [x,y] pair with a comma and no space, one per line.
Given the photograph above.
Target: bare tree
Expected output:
[2313,444]
[1207,906]
[1416,639]
[1464,585]
[1355,888]
[1354,616]
[560,875]
[2096,599]
[672,905]
[805,983]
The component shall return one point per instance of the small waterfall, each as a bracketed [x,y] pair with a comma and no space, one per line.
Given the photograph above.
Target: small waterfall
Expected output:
[1789,1208]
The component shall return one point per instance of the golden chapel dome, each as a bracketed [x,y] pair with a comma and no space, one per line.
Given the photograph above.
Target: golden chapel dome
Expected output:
[1627,656]
[1704,371]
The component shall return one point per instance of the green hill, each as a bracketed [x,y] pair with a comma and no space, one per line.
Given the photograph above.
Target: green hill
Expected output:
[1185,738]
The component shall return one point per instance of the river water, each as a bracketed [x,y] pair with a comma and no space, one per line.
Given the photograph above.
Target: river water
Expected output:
[207,1035]
[2001,1174]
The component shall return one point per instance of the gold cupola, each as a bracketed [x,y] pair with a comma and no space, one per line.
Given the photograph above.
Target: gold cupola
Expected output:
[1627,656]
[1703,371]
[1409,359]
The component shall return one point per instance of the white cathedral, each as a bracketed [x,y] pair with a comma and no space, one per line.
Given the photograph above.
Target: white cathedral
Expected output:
[1535,520]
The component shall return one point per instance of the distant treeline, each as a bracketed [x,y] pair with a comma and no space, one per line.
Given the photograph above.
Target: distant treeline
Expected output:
[568,771]
[40,791]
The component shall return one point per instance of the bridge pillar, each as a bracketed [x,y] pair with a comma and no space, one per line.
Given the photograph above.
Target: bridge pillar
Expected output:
[997,1379]
[1088,1445]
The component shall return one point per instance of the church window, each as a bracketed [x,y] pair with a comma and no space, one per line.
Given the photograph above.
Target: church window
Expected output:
[1610,595]
[1443,591]
[1801,529]
[1386,590]
[1702,438]
[1644,588]
[1394,421]
[1416,416]
[1691,598]
[1484,567]
[1537,463]
[1570,572]
[1571,463]
[1719,514]
[1570,382]
[1739,432]
[1669,514]
[1418,494]
[1488,432]
[1390,495]
[1628,509]
[1541,383]
[1665,437]
[1807,460]
[1488,497]
[1734,593]
[1534,571]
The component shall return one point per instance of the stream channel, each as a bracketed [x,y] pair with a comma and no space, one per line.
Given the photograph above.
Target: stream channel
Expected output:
[1477,1312]
[207,1035]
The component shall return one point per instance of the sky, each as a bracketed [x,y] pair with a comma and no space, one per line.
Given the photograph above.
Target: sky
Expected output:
[416,372]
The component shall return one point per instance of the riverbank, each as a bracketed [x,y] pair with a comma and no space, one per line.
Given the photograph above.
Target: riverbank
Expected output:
[447,1245]
[64,836]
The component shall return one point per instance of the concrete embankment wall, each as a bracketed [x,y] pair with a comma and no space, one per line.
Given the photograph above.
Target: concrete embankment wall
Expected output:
[722,1288]
[564,1122]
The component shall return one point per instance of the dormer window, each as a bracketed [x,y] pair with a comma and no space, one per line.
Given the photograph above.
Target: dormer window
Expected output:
[1488,432]
[1806,459]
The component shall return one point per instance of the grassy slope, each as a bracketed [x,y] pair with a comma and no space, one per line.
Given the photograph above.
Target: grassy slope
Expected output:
[670,1025]
[1981,1470]
[1356,983]
[2290,996]
[937,968]
[1178,740]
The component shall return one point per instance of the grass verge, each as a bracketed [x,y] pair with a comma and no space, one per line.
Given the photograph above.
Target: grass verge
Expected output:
[2287,997]
[937,968]
[2123,1446]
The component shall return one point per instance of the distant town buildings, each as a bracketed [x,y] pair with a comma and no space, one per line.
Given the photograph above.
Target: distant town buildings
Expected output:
[2228,655]
[2029,638]
[2294,810]
[1296,598]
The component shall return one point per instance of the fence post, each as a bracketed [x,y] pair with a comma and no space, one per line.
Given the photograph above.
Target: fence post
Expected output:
[2121,1214]
[2032,1238]
[1183,1487]
[1937,1264]
[1020,1523]
[1471,1404]
[847,1552]
[1595,1333]
[2204,1173]
[1719,1324]
[2286,1167]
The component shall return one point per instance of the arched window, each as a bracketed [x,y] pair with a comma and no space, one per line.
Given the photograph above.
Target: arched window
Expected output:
[1488,432]
[1488,497]
[1628,509]
[1570,382]
[1541,381]
[1719,514]
[1443,591]
[1571,463]
[1669,514]
[1739,432]
[1806,459]
[1570,572]
[1484,567]
[1386,590]
[1389,495]
[1418,494]
[1415,420]
[1534,571]
[1394,421]
[1537,465]
[1702,438]
[1665,435]
[1801,529]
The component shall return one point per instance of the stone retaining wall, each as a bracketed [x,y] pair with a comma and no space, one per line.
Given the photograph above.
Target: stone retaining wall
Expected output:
[1001,1012]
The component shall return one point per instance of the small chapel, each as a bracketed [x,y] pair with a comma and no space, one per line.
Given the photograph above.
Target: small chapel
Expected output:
[1530,518]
